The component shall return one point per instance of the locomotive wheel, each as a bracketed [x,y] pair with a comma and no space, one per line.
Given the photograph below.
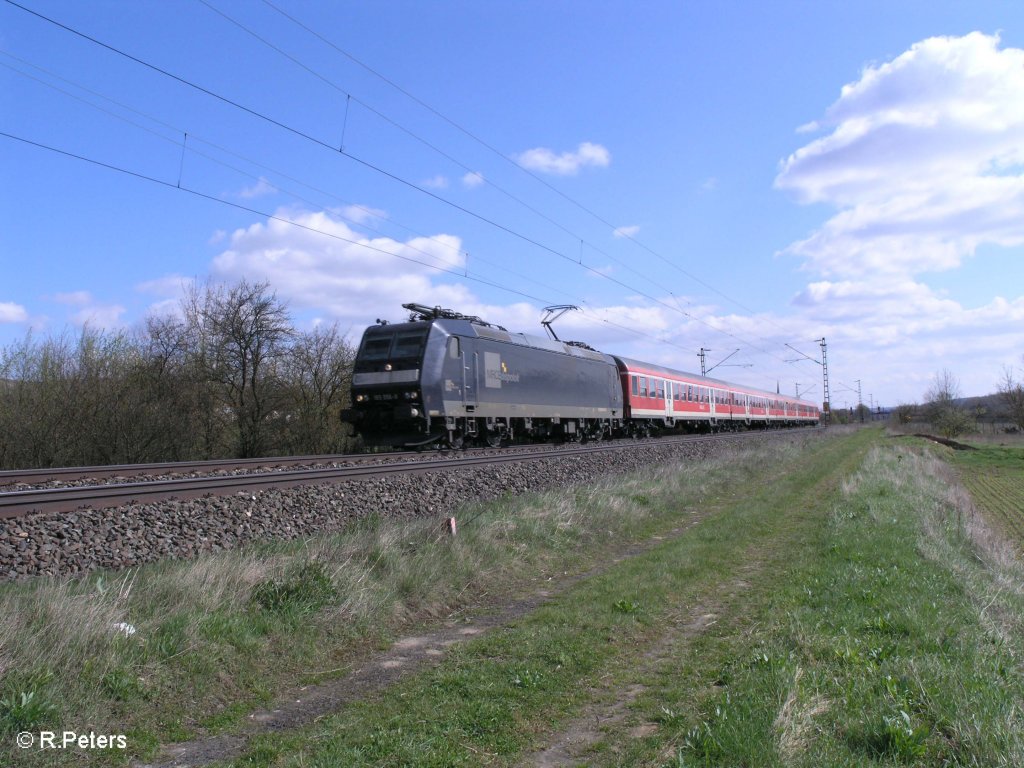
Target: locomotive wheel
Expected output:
[456,441]
[494,438]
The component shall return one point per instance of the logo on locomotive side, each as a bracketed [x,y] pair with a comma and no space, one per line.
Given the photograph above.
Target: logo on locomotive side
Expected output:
[496,372]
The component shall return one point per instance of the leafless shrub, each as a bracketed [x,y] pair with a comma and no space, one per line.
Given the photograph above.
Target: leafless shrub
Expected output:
[229,376]
[942,408]
[1011,392]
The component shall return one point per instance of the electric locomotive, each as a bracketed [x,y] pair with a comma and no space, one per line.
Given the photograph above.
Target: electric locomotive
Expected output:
[452,379]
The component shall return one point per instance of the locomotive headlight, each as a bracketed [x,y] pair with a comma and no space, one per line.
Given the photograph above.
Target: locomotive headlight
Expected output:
[414,412]
[387,366]
[360,398]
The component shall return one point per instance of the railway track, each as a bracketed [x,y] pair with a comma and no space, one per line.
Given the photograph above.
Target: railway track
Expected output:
[19,503]
[10,478]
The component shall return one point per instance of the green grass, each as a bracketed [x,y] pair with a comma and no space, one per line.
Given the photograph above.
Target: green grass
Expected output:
[222,635]
[827,603]
[497,697]
[893,639]
[864,622]
[994,475]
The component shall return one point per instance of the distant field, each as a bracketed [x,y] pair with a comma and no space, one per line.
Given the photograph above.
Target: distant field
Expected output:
[994,476]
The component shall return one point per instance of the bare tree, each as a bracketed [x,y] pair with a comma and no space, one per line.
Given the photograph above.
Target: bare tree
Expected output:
[75,401]
[942,406]
[316,374]
[185,422]
[240,334]
[904,413]
[1011,392]
[35,415]
[229,376]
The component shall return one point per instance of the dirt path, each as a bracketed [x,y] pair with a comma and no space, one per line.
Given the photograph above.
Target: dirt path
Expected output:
[608,714]
[605,718]
[407,655]
[611,708]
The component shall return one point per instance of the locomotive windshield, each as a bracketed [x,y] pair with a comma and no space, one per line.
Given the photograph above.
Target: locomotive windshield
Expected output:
[384,345]
[408,344]
[376,348]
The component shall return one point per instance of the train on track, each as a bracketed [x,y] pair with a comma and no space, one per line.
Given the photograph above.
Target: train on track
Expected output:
[452,380]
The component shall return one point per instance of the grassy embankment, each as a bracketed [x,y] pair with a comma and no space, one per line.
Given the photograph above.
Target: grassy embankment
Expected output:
[852,613]
[220,636]
[835,605]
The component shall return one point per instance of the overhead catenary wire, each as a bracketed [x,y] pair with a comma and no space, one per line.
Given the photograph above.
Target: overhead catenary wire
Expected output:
[377,169]
[349,97]
[279,124]
[463,166]
[590,314]
[306,227]
[184,144]
[486,145]
[269,216]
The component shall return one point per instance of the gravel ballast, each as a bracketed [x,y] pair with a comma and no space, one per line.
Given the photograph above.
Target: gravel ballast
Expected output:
[74,544]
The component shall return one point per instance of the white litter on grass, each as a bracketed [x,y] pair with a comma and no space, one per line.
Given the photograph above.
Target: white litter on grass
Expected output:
[126,629]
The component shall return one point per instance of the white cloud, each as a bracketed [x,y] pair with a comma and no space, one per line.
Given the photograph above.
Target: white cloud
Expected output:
[325,265]
[472,179]
[170,289]
[73,298]
[361,214]
[925,161]
[566,164]
[922,158]
[436,182]
[12,313]
[261,188]
[104,316]
[893,334]
[168,285]
[629,231]
[90,312]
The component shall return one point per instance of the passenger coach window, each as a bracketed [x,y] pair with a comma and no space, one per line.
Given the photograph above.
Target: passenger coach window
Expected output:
[635,385]
[643,386]
[661,389]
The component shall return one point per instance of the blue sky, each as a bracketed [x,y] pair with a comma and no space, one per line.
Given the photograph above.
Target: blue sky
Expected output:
[730,175]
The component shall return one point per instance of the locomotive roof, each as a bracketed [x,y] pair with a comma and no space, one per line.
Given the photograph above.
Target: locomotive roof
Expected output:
[465,328]
[629,364]
[459,327]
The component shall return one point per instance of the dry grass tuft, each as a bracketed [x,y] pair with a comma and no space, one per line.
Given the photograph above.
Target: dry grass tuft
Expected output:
[795,721]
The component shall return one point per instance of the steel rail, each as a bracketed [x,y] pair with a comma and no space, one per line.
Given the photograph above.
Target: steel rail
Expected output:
[70,498]
[13,476]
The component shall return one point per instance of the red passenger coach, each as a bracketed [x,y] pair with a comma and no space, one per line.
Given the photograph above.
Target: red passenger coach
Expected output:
[657,398]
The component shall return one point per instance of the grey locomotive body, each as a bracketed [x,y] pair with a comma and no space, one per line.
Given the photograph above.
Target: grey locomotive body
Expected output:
[449,378]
